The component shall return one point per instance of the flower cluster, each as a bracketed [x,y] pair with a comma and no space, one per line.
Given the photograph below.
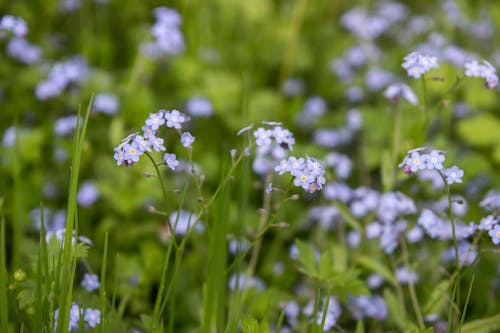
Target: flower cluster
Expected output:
[61,75]
[15,25]
[273,144]
[417,64]
[309,173]
[133,146]
[367,307]
[423,159]
[91,317]
[485,71]
[168,36]
[396,92]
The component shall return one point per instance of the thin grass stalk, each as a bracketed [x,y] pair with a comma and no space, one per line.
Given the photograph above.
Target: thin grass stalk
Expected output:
[161,299]
[236,297]
[102,289]
[464,311]
[4,310]
[42,279]
[411,287]
[68,263]
[214,300]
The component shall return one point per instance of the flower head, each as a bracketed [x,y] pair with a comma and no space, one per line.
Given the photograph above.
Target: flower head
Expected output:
[90,282]
[170,160]
[187,139]
[417,64]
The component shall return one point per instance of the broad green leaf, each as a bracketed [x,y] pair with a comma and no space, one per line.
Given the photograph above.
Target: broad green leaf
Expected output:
[339,260]
[485,325]
[325,266]
[307,260]
[377,267]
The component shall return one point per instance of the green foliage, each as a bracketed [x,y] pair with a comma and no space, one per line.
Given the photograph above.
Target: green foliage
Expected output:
[339,282]
[251,325]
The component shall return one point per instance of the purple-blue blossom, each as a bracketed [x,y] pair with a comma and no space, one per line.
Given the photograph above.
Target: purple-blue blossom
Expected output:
[87,194]
[417,64]
[453,175]
[90,282]
[106,103]
[92,317]
[187,139]
[170,160]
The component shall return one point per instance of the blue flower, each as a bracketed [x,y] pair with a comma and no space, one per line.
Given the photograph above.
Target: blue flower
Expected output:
[400,90]
[87,194]
[157,144]
[487,223]
[170,160]
[106,103]
[434,160]
[199,107]
[187,139]
[175,119]
[131,152]
[417,64]
[453,175]
[155,120]
[92,317]
[90,282]
[263,136]
[495,234]
[143,143]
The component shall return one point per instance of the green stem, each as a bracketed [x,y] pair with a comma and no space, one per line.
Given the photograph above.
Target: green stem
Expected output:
[411,286]
[164,192]
[262,223]
[426,104]
[396,139]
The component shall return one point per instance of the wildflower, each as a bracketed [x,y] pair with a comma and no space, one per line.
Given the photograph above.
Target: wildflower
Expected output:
[155,120]
[199,107]
[263,136]
[143,143]
[16,25]
[491,201]
[309,173]
[21,50]
[434,160]
[283,137]
[175,119]
[367,307]
[74,316]
[157,144]
[485,71]
[131,152]
[92,317]
[169,38]
[106,103]
[495,234]
[87,194]
[453,175]
[404,276]
[65,125]
[466,253]
[415,235]
[269,188]
[417,64]
[170,161]
[400,90]
[90,282]
[187,139]
[332,314]
[183,221]
[374,281]
[61,75]
[341,163]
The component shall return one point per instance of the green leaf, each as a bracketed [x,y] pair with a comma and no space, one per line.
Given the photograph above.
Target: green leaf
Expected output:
[325,266]
[307,260]
[396,313]
[485,325]
[360,327]
[347,283]
[377,267]
[483,130]
[438,298]
[250,325]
